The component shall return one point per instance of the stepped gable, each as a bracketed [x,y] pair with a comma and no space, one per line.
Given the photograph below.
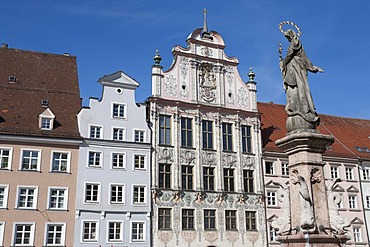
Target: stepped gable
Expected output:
[351,135]
[31,82]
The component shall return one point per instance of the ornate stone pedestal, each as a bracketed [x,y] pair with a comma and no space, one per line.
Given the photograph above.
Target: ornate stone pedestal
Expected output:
[309,213]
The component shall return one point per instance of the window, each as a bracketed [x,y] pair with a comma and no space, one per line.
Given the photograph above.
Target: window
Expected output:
[27,197]
[209,178]
[334,172]
[94,159]
[137,232]
[230,219]
[357,234]
[352,202]
[349,173]
[187,219]
[271,198]
[187,177]
[164,219]
[2,224]
[272,234]
[23,234]
[118,161]
[115,233]
[46,123]
[186,132]
[139,161]
[90,231]
[139,135]
[209,219]
[119,111]
[95,132]
[118,134]
[55,234]
[60,162]
[366,173]
[367,201]
[3,197]
[269,167]
[284,169]
[248,181]
[117,193]
[139,194]
[246,139]
[165,176]
[164,130]
[57,198]
[92,192]
[5,154]
[250,220]
[227,137]
[207,134]
[229,179]
[30,160]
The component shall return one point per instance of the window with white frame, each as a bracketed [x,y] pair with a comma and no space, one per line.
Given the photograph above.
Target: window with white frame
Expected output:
[137,232]
[3,196]
[118,134]
[46,123]
[139,135]
[246,138]
[349,173]
[94,159]
[357,237]
[284,169]
[58,198]
[209,219]
[95,132]
[139,162]
[23,234]
[92,192]
[119,111]
[2,228]
[186,132]
[227,137]
[367,201]
[27,197]
[229,179]
[269,167]
[334,172]
[139,194]
[118,160]
[273,234]
[55,234]
[352,202]
[60,162]
[207,134]
[30,160]
[90,231]
[271,198]
[115,231]
[366,174]
[164,130]
[117,193]
[230,220]
[5,158]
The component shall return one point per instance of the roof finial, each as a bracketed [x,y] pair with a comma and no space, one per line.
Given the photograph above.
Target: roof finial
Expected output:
[205,29]
[157,58]
[251,74]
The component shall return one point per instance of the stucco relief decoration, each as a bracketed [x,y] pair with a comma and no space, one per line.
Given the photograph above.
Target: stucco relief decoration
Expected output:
[165,236]
[229,74]
[253,237]
[248,161]
[229,160]
[316,175]
[230,97]
[165,154]
[171,86]
[207,82]
[206,51]
[184,67]
[282,223]
[187,157]
[211,236]
[209,158]
[188,236]
[232,237]
[242,97]
[338,224]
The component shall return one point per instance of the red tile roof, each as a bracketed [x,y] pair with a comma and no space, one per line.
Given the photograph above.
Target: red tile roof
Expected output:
[38,76]
[349,133]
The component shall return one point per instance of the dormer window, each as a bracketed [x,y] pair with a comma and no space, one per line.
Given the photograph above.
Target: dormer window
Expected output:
[46,120]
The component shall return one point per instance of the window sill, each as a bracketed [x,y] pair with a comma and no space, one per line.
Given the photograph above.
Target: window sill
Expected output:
[210,230]
[165,145]
[23,170]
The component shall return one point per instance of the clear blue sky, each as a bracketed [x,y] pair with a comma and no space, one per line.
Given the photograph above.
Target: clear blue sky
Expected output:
[111,35]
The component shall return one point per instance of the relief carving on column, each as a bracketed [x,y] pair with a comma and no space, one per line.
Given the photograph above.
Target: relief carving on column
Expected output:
[338,224]
[207,82]
[282,223]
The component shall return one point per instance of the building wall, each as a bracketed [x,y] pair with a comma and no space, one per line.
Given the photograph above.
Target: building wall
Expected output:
[43,179]
[116,90]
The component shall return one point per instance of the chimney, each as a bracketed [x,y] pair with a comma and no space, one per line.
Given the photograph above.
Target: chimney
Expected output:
[4,45]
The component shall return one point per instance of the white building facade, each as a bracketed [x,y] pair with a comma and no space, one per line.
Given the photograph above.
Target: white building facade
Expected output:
[206,171]
[113,200]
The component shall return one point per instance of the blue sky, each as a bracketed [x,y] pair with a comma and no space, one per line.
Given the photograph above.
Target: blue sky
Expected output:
[111,35]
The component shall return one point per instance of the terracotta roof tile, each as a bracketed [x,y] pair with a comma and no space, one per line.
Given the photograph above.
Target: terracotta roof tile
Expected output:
[349,133]
[38,76]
